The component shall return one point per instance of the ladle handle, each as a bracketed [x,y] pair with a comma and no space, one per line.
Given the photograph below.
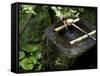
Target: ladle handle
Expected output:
[76,20]
[59,28]
[83,31]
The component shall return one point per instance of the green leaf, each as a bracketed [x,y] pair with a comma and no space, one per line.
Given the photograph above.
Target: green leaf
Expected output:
[39,67]
[33,59]
[37,55]
[21,55]
[28,63]
[19,64]
[30,48]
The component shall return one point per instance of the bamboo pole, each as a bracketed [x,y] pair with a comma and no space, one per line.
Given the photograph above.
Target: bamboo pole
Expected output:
[66,22]
[83,31]
[82,37]
[60,28]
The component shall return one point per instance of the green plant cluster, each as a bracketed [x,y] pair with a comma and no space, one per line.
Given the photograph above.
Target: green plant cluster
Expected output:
[31,26]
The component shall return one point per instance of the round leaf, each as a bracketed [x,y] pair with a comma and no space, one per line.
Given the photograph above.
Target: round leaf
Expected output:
[21,55]
[37,55]
[28,63]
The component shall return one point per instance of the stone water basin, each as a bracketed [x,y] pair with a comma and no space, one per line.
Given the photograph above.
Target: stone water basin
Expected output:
[62,38]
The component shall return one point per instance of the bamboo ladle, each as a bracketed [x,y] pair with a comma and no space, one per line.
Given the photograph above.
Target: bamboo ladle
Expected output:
[70,22]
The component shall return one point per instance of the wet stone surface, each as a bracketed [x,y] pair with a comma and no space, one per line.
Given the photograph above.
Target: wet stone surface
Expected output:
[62,38]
